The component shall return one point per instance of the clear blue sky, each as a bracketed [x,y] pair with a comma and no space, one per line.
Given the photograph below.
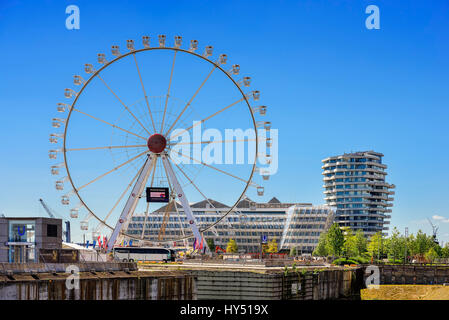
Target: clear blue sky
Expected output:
[331,85]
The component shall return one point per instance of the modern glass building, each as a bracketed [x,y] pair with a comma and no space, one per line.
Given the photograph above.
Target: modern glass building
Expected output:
[291,224]
[355,184]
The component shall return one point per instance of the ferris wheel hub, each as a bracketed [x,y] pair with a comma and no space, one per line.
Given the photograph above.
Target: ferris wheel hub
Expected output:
[157,143]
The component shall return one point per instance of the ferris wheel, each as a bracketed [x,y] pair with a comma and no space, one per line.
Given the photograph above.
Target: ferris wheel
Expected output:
[127,136]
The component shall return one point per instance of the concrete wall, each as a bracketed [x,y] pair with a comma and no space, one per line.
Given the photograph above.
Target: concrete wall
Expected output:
[117,285]
[319,285]
[98,281]
[410,274]
[116,281]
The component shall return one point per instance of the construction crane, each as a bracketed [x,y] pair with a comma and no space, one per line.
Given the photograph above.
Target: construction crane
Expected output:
[166,217]
[434,231]
[52,214]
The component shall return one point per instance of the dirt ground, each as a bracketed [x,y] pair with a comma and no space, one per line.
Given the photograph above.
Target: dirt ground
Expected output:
[406,292]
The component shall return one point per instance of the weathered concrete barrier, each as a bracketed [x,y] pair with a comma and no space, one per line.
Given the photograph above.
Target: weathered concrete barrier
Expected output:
[97,281]
[12,268]
[299,285]
[412,274]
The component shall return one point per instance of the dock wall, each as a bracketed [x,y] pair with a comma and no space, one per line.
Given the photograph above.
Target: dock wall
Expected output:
[412,274]
[101,281]
[319,285]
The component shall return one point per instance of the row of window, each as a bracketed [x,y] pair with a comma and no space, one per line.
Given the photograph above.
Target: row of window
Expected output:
[293,240]
[303,234]
[354,160]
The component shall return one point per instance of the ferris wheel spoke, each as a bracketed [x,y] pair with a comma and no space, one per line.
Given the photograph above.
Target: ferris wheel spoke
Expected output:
[166,175]
[190,101]
[208,118]
[168,91]
[110,124]
[103,222]
[144,93]
[145,222]
[161,232]
[198,189]
[107,147]
[112,170]
[193,184]
[209,141]
[124,105]
[219,170]
[174,202]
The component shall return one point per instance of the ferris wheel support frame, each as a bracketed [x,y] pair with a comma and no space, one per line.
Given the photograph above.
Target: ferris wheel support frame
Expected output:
[133,199]
[183,199]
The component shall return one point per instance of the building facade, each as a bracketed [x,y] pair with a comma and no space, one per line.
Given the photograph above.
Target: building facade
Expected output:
[355,184]
[22,238]
[291,224]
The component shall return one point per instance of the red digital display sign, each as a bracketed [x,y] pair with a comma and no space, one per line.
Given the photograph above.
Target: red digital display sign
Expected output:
[157,194]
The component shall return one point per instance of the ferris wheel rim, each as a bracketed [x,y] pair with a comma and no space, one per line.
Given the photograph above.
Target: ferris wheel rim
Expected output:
[131,52]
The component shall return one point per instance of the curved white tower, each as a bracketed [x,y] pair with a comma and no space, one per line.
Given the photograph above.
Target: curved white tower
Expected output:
[355,184]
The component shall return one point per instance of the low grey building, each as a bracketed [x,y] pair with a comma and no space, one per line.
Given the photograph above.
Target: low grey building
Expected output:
[21,238]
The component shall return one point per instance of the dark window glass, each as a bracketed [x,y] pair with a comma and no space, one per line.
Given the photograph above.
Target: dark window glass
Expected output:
[52,230]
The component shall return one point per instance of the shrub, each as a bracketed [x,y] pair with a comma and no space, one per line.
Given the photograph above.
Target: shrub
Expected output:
[360,260]
[343,261]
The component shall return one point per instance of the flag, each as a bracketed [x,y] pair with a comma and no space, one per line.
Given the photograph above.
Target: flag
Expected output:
[196,245]
[87,244]
[93,245]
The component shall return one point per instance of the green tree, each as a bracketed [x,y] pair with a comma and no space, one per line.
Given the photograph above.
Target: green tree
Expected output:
[293,252]
[421,244]
[232,246]
[438,249]
[377,246]
[211,244]
[431,255]
[361,243]
[321,248]
[396,246]
[445,251]
[409,243]
[265,247]
[350,245]
[335,240]
[272,246]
